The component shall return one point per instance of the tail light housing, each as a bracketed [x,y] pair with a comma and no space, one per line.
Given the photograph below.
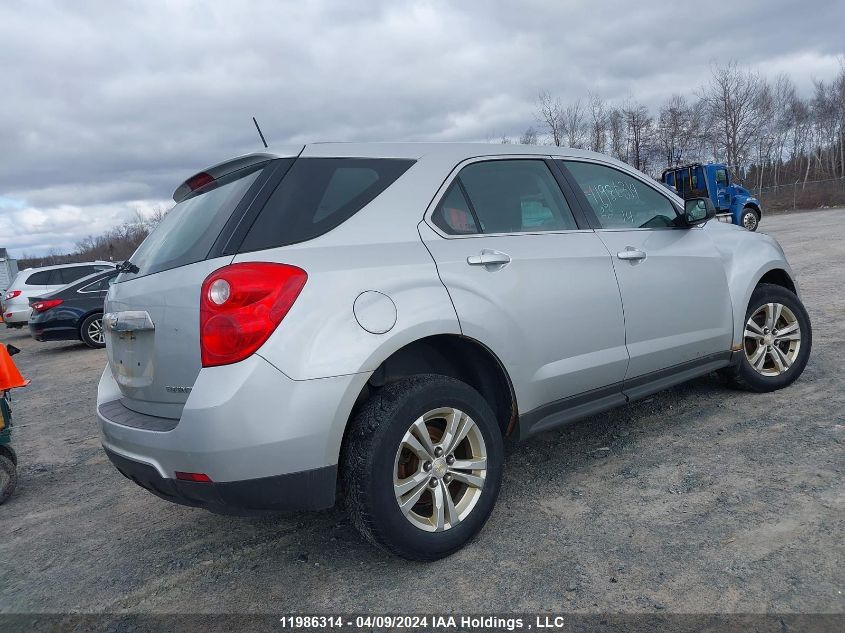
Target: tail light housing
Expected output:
[12,294]
[47,304]
[241,306]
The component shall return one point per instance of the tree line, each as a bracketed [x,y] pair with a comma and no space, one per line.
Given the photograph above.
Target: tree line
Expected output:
[116,244]
[766,132]
[763,130]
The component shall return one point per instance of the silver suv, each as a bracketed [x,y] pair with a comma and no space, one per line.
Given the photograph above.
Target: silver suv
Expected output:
[372,321]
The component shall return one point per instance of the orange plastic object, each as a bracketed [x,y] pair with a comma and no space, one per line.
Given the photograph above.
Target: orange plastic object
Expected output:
[10,377]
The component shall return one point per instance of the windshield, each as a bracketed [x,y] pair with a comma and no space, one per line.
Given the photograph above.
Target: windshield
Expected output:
[188,231]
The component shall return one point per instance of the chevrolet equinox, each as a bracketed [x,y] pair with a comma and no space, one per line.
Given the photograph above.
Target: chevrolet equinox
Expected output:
[369,322]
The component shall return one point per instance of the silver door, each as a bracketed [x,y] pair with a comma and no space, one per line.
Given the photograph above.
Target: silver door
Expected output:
[673,283]
[539,292]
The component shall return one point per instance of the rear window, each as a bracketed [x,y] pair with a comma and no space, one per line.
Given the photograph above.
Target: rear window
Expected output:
[188,231]
[317,195]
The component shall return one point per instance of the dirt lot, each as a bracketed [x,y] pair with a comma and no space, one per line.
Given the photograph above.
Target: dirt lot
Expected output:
[702,500]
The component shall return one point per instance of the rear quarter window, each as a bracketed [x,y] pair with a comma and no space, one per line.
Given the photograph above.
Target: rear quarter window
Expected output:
[317,195]
[38,279]
[72,273]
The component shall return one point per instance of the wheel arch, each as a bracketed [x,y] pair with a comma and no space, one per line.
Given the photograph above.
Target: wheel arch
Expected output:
[773,272]
[777,277]
[752,204]
[454,355]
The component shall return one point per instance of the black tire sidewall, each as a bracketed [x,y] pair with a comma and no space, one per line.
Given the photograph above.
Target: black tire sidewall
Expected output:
[83,331]
[768,293]
[9,466]
[393,528]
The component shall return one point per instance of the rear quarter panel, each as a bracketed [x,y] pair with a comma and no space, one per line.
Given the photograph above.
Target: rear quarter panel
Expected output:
[377,249]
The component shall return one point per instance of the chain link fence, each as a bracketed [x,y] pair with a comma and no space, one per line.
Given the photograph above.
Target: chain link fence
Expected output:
[814,194]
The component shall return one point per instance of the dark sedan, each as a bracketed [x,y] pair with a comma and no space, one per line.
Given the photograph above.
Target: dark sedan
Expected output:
[73,312]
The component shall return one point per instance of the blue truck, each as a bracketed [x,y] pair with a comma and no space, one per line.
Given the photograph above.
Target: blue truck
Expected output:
[733,203]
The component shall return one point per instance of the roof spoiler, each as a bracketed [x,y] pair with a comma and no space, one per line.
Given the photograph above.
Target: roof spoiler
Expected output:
[215,172]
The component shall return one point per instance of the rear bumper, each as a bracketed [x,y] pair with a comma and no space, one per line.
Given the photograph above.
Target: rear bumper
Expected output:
[16,315]
[307,490]
[41,333]
[252,430]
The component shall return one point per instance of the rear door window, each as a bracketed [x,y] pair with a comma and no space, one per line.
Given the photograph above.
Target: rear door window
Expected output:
[506,196]
[318,194]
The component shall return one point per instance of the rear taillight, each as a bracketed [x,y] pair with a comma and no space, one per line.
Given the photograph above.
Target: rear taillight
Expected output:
[240,307]
[43,306]
[12,294]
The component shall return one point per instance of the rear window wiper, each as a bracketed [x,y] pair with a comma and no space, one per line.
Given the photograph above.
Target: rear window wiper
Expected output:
[127,267]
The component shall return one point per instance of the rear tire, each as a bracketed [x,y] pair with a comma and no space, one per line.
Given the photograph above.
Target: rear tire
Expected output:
[8,478]
[448,483]
[91,331]
[774,353]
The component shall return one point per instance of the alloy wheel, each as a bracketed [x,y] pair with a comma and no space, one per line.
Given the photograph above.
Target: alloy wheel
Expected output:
[749,221]
[440,468]
[95,331]
[772,339]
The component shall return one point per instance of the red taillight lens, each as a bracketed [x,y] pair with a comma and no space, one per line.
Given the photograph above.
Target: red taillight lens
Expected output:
[200,180]
[43,306]
[12,294]
[201,478]
[240,307]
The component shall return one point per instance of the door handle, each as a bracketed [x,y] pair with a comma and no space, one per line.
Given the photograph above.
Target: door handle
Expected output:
[488,257]
[631,254]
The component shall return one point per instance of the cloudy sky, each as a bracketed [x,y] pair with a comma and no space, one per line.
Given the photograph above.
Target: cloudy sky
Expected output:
[106,106]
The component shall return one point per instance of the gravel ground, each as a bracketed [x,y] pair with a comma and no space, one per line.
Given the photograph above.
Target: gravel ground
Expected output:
[697,500]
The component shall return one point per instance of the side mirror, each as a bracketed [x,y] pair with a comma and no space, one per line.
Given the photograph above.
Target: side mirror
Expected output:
[698,210]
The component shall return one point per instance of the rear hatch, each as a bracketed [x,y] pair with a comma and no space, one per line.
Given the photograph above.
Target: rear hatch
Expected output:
[152,309]
[152,319]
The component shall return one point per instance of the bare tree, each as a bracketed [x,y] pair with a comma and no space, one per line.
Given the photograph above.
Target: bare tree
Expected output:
[680,130]
[598,122]
[549,115]
[529,137]
[765,132]
[616,134]
[573,124]
[638,125]
[731,99]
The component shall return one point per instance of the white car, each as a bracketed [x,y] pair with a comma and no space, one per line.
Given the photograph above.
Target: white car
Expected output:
[33,282]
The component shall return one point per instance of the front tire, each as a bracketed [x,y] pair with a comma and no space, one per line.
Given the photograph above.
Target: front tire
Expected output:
[777,340]
[422,466]
[91,331]
[750,219]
